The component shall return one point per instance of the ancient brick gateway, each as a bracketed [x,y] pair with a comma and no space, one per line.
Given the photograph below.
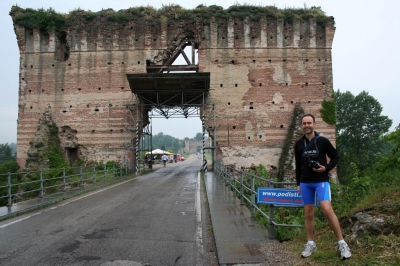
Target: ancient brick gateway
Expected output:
[266,67]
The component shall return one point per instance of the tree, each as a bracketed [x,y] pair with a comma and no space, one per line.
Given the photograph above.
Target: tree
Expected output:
[5,153]
[167,142]
[199,136]
[359,127]
[391,160]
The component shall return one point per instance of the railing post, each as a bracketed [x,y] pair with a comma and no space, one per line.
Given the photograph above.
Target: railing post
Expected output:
[94,176]
[271,217]
[64,184]
[105,172]
[234,182]
[81,175]
[241,188]
[253,196]
[41,184]
[9,192]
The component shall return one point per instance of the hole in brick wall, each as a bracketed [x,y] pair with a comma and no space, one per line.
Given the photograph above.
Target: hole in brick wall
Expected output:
[64,111]
[154,40]
[49,107]
[62,89]
[253,37]
[42,90]
[216,60]
[52,65]
[273,102]
[87,105]
[235,85]
[122,88]
[23,78]
[31,66]
[63,49]
[287,84]
[319,59]
[70,106]
[306,60]
[111,130]
[229,103]
[110,105]
[121,130]
[233,61]
[136,40]
[251,107]
[79,89]
[251,103]
[271,37]
[96,110]
[109,63]
[122,63]
[99,89]
[138,62]
[285,37]
[281,126]
[93,130]
[29,91]
[234,127]
[284,60]
[69,64]
[309,101]
[221,85]
[306,83]
[248,137]
[269,60]
[236,37]
[235,23]
[223,38]
[326,59]
[204,38]
[291,101]
[260,84]
[254,60]
[260,136]
[301,37]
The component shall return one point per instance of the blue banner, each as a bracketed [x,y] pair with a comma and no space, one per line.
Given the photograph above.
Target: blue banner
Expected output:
[280,196]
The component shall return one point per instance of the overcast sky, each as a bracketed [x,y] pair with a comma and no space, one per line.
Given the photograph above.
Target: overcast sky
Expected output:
[365,52]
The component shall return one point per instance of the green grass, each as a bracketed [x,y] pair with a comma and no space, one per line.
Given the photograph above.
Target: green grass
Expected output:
[366,250]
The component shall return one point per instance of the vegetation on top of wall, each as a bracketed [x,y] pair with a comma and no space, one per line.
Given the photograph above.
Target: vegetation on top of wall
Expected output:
[50,20]
[42,19]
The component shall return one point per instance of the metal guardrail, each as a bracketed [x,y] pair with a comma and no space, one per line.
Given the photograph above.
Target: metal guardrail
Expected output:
[244,186]
[21,186]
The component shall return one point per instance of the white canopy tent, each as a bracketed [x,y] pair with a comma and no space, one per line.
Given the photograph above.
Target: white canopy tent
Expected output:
[159,152]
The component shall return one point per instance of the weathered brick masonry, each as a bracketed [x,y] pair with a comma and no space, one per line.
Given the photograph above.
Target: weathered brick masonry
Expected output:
[260,70]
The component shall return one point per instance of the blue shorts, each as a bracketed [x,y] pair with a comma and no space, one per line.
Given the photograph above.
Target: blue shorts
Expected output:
[308,190]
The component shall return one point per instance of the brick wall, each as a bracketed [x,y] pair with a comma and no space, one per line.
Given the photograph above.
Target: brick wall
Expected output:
[259,71]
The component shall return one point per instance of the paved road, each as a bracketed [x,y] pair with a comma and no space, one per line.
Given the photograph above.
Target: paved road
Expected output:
[152,220]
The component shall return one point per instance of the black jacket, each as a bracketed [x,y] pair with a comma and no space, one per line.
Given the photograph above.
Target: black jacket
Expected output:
[318,151]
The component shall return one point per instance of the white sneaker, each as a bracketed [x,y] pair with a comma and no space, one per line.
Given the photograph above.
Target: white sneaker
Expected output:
[308,250]
[344,251]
